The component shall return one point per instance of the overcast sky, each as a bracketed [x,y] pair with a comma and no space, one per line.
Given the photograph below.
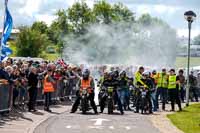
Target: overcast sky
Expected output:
[25,12]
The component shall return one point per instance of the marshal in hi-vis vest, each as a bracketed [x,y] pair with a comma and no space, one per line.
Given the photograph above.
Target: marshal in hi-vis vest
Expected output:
[162,80]
[86,84]
[172,82]
[48,86]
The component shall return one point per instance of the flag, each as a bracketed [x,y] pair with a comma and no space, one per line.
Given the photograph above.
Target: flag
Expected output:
[7,28]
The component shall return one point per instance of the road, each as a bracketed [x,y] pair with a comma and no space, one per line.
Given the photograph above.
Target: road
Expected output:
[102,123]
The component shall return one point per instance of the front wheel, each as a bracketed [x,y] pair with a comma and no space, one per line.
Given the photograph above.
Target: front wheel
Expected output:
[110,106]
[84,105]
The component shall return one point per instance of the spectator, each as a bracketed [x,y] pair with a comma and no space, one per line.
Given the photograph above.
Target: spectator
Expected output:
[182,85]
[32,82]
[198,83]
[193,87]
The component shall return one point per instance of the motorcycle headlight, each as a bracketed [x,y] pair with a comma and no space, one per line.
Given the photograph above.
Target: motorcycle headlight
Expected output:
[84,92]
[144,93]
[110,89]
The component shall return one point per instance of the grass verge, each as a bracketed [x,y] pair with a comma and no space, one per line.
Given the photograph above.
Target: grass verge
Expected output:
[188,120]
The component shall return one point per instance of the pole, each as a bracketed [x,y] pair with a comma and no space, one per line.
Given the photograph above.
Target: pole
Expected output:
[4,19]
[188,65]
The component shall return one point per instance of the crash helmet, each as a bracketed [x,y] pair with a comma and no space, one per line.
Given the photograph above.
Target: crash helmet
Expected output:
[122,74]
[86,73]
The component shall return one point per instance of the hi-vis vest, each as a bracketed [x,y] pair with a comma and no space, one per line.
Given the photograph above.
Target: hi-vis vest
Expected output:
[137,79]
[86,84]
[155,78]
[172,82]
[162,80]
[48,86]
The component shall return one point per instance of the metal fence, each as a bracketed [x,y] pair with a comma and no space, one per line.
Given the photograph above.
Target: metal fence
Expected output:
[5,97]
[62,91]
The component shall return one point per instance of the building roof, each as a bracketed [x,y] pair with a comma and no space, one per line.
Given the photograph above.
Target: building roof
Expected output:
[14,31]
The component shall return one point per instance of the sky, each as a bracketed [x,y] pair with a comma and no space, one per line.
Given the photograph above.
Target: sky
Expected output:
[25,12]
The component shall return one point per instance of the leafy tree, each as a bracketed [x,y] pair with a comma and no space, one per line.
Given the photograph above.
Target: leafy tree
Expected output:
[40,26]
[59,28]
[79,15]
[148,20]
[122,13]
[103,12]
[197,40]
[31,42]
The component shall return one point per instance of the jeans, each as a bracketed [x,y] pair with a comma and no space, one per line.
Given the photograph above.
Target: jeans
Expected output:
[124,97]
[162,92]
[47,101]
[182,93]
[153,99]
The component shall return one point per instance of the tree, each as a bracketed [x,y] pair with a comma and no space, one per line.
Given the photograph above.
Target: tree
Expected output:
[103,12]
[31,43]
[59,28]
[148,20]
[122,13]
[80,15]
[40,26]
[197,40]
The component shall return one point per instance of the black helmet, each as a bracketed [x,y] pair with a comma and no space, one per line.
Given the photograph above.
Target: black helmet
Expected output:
[111,75]
[123,74]
[86,74]
[116,74]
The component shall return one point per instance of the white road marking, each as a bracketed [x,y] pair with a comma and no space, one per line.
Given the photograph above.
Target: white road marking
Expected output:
[68,126]
[99,121]
[111,127]
[96,127]
[128,128]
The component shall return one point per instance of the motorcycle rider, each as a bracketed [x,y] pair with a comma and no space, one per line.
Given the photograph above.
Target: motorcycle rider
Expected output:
[149,82]
[85,82]
[123,91]
[111,82]
[101,87]
[137,83]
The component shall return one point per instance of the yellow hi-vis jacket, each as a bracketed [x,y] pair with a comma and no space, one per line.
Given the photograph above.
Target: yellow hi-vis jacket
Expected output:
[162,80]
[138,79]
[172,82]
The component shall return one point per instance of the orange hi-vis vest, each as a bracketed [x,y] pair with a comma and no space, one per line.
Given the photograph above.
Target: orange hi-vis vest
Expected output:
[86,84]
[48,86]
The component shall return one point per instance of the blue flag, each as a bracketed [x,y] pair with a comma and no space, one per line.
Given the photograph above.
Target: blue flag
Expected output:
[7,28]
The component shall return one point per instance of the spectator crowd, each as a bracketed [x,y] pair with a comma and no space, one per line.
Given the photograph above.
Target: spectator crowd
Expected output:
[26,80]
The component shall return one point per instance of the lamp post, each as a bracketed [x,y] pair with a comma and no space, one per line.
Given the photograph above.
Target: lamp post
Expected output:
[190,17]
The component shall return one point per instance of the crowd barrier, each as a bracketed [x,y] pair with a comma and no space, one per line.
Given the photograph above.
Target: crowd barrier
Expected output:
[63,90]
[5,97]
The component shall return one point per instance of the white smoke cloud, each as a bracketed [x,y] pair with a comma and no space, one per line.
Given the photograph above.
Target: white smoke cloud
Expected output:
[131,44]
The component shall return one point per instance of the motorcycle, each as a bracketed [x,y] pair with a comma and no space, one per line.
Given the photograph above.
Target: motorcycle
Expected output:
[110,91]
[84,100]
[144,100]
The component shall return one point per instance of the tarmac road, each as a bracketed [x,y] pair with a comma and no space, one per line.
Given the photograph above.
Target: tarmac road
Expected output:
[102,123]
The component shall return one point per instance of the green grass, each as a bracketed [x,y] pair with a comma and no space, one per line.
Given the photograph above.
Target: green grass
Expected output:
[52,57]
[189,120]
[181,62]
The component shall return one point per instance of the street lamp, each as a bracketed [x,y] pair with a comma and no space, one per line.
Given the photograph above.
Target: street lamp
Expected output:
[190,17]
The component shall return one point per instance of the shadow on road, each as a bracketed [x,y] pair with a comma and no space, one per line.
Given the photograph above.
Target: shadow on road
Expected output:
[14,115]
